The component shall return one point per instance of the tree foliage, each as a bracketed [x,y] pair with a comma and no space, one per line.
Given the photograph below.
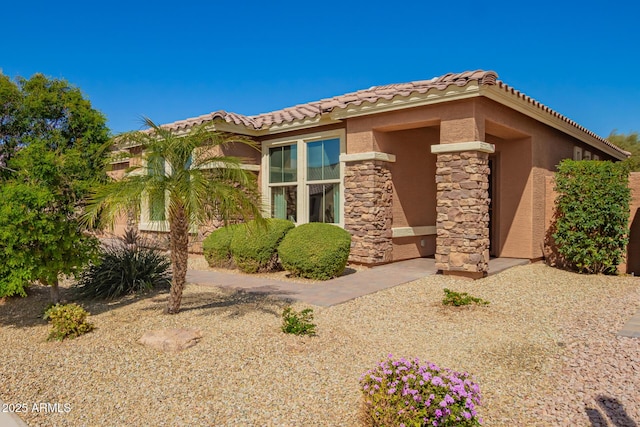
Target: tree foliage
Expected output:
[631,143]
[592,214]
[199,182]
[51,150]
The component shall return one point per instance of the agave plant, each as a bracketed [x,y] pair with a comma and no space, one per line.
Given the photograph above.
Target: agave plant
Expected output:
[125,268]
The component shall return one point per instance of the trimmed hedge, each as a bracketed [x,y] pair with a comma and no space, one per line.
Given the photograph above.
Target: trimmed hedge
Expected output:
[217,247]
[255,248]
[315,251]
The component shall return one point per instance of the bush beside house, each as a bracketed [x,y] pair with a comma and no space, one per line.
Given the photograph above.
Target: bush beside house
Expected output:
[591,226]
[315,251]
[216,247]
[255,248]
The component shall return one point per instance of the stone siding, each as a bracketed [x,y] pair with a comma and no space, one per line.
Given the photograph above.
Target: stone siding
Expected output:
[368,214]
[462,243]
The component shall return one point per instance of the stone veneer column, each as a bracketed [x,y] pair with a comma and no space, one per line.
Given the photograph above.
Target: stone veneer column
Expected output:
[368,215]
[462,179]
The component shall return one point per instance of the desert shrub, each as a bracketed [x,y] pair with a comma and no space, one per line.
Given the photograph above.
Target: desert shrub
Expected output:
[254,246]
[217,247]
[592,214]
[408,393]
[67,321]
[315,251]
[126,267]
[298,323]
[458,299]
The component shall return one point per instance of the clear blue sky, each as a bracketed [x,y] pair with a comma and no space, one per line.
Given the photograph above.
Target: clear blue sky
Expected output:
[170,61]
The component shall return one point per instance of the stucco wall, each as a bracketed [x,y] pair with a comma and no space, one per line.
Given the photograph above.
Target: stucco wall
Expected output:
[527,151]
[414,187]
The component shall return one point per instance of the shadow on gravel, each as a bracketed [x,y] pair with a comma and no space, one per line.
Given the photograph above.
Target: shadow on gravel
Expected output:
[236,302]
[25,312]
[613,410]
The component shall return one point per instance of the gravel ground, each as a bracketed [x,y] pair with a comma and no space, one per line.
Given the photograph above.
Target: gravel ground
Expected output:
[545,352]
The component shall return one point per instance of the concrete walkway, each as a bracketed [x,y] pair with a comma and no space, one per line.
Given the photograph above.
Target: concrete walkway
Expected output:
[631,329]
[341,289]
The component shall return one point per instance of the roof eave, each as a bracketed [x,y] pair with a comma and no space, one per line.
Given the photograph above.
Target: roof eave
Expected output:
[515,102]
[432,96]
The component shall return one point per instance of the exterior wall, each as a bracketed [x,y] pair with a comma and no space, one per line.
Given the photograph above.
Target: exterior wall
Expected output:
[414,187]
[632,264]
[513,198]
[527,151]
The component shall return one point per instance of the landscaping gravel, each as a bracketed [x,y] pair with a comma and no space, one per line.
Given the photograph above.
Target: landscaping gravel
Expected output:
[545,352]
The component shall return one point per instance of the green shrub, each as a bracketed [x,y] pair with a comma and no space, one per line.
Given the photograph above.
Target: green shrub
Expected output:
[217,247]
[401,392]
[592,214]
[124,268]
[458,299]
[254,247]
[298,323]
[315,251]
[67,321]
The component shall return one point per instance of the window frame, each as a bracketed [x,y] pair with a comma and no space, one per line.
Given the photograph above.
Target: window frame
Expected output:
[302,183]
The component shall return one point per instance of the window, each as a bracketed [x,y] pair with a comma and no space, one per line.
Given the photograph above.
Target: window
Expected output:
[283,177]
[577,153]
[587,155]
[157,197]
[304,178]
[323,180]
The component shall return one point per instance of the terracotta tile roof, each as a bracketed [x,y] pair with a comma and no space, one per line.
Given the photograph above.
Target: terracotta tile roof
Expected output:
[316,108]
[372,95]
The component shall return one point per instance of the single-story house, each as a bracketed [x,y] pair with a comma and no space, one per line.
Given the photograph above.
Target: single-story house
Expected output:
[453,167]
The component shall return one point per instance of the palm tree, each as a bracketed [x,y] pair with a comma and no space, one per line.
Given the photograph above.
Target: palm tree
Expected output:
[195,178]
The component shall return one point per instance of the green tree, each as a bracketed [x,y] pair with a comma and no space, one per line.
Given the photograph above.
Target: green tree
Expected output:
[51,149]
[192,175]
[592,214]
[631,143]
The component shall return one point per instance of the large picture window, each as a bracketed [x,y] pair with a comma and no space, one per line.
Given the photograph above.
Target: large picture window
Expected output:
[304,178]
[323,180]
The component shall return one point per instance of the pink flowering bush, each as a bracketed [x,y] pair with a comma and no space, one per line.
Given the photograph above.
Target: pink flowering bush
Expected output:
[409,394]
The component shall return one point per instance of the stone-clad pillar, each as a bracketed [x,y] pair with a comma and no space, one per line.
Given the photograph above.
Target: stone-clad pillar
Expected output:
[462,179]
[368,198]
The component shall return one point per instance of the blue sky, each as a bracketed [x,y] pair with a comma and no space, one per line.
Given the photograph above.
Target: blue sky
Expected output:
[171,61]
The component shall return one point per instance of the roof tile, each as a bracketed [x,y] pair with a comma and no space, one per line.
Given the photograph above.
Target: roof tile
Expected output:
[372,95]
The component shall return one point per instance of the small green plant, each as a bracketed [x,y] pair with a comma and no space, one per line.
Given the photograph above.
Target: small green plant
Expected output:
[315,250]
[67,321]
[458,299]
[298,323]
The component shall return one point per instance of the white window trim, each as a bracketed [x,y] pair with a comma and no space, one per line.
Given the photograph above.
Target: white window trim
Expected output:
[302,183]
